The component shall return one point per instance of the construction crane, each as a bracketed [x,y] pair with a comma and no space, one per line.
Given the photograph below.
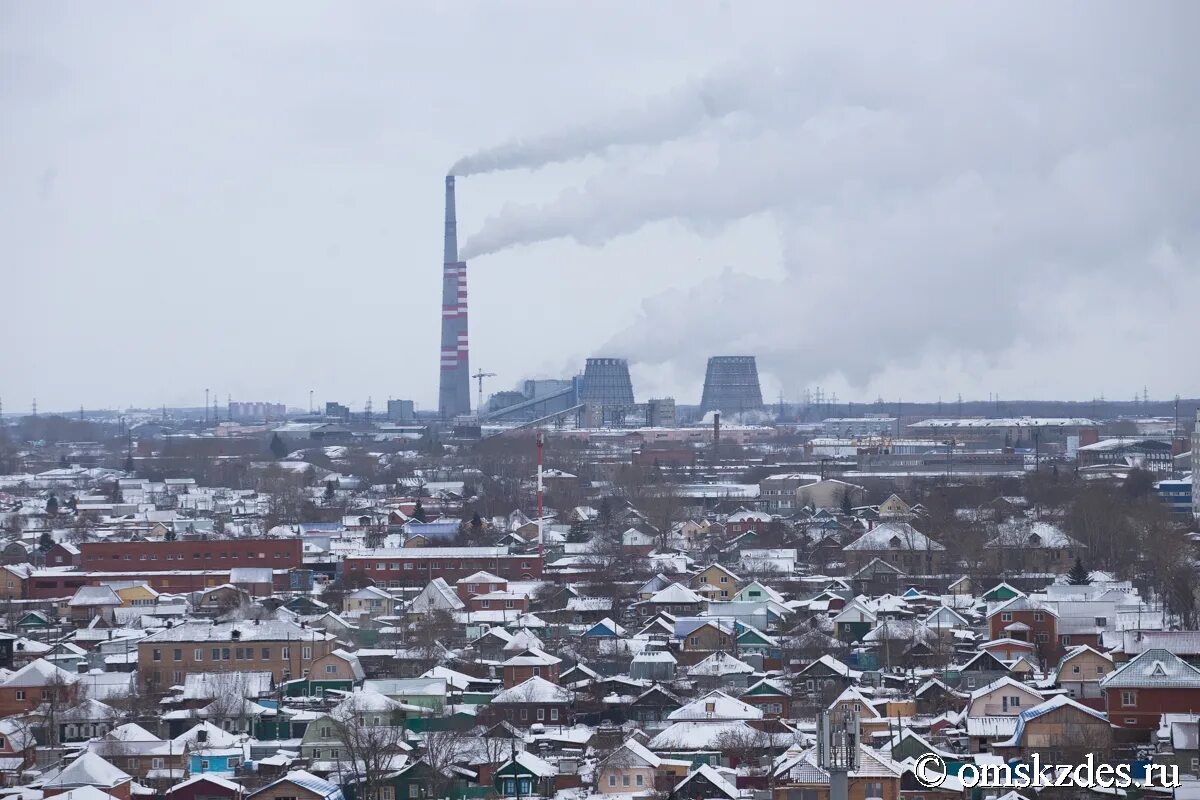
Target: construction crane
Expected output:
[479,376]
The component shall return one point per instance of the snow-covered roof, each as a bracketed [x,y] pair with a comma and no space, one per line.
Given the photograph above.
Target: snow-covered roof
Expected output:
[534,690]
[1155,668]
[893,536]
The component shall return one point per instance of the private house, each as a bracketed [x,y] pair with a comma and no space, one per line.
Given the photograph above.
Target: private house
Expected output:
[1080,672]
[437,595]
[92,771]
[1002,698]
[900,545]
[1061,731]
[1157,681]
[982,669]
[774,700]
[799,774]
[721,671]
[1028,546]
[698,634]
[339,670]
[530,663]
[631,768]
[525,775]
[536,700]
[1027,620]
[206,787]
[369,601]
[724,584]
[298,785]
[93,602]
[36,683]
[656,704]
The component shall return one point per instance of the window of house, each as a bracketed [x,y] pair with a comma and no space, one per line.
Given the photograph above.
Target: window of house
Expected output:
[1075,670]
[1129,698]
[1006,616]
[157,654]
[541,714]
[285,653]
[640,779]
[157,763]
[624,780]
[1099,669]
[612,780]
[331,669]
[266,654]
[524,713]
[198,654]
[1039,616]
[408,565]
[1130,721]
[554,715]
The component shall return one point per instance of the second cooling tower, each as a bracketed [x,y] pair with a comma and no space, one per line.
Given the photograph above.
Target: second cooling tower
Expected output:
[731,385]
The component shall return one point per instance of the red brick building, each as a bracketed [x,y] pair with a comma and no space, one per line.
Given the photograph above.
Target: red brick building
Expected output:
[532,663]
[54,584]
[1028,621]
[417,566]
[1155,682]
[191,554]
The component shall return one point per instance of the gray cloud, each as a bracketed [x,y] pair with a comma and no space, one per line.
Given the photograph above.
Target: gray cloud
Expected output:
[949,204]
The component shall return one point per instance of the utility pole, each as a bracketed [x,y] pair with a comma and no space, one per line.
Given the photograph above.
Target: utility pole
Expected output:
[206,406]
[310,398]
[540,439]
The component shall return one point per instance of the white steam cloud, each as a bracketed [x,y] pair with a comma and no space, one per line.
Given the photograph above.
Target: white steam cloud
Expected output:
[947,204]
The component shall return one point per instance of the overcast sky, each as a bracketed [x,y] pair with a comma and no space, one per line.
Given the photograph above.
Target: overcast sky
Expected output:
[888,200]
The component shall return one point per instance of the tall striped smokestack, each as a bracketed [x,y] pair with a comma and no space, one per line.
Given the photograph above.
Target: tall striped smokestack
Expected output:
[454,388]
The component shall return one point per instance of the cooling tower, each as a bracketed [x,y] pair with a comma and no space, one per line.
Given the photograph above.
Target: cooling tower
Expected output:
[454,388]
[731,385]
[606,383]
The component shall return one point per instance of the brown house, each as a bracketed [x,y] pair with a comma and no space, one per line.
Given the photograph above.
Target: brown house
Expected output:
[536,700]
[187,554]
[531,663]
[1061,731]
[280,647]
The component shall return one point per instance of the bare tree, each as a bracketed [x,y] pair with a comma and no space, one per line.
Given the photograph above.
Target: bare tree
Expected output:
[372,743]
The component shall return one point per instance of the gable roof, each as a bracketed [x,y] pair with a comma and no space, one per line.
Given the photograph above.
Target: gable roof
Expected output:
[1042,709]
[894,536]
[1154,668]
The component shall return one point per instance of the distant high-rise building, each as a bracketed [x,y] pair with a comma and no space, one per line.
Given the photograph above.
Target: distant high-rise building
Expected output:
[240,410]
[337,411]
[731,385]
[660,412]
[401,410]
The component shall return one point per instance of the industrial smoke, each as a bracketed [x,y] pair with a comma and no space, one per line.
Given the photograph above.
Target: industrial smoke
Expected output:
[946,201]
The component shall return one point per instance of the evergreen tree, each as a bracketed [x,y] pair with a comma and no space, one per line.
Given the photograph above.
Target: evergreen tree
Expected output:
[52,506]
[847,506]
[329,491]
[476,524]
[1078,576]
[45,541]
[72,503]
[129,463]
[169,536]
[419,512]
[278,448]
